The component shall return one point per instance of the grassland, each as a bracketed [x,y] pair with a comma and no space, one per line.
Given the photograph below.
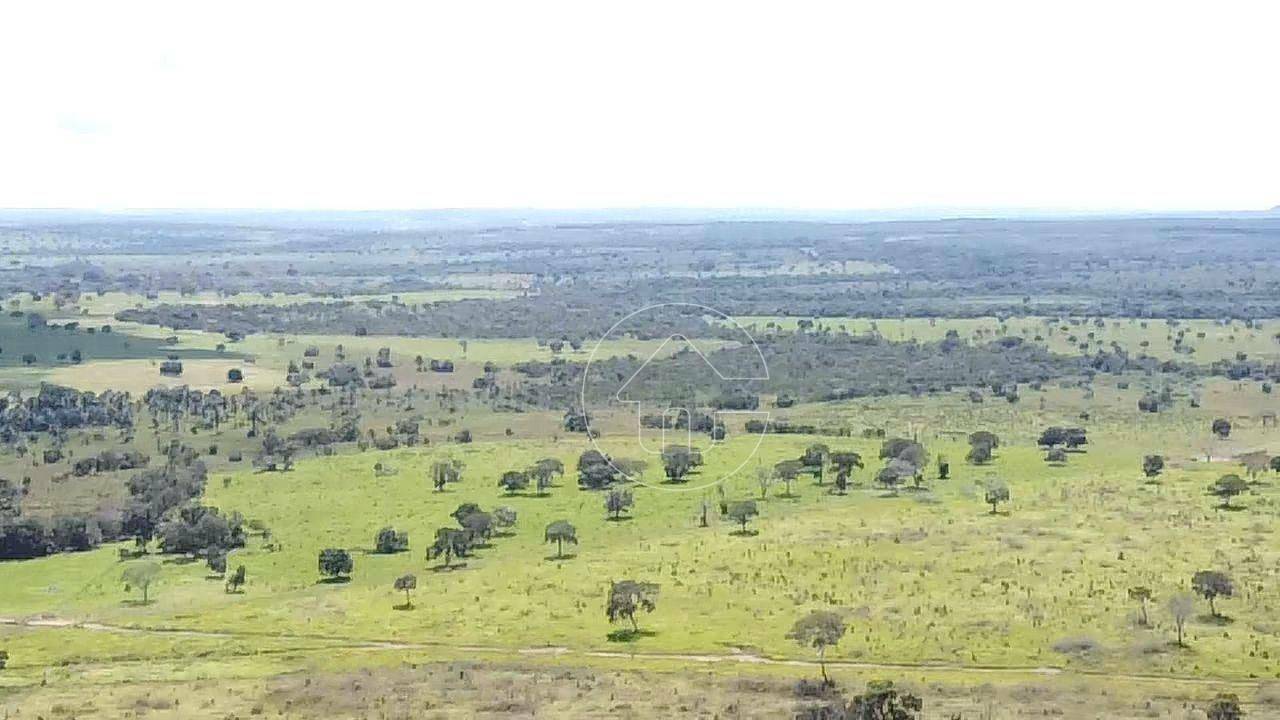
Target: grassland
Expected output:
[973,608]
[927,578]
[1152,337]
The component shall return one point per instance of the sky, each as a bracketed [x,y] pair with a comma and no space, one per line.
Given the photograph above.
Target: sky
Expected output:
[1146,106]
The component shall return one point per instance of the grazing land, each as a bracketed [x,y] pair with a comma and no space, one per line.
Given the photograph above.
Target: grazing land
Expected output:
[1013,468]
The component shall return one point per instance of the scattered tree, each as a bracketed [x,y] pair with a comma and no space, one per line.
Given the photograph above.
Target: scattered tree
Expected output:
[142,576]
[627,597]
[513,481]
[618,502]
[236,581]
[407,584]
[561,532]
[996,492]
[335,563]
[819,629]
[389,541]
[1222,428]
[1210,585]
[1152,466]
[1180,608]
[1227,487]
[449,543]
[1143,596]
[742,512]
[1226,706]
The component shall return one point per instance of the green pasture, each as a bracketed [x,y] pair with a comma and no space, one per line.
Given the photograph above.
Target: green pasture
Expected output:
[928,576]
[1220,341]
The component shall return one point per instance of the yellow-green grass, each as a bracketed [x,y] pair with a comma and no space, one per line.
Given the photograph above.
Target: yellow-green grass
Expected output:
[1220,341]
[924,577]
[370,683]
[268,357]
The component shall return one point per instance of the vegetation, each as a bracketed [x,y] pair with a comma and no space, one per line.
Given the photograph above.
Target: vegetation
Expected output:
[913,385]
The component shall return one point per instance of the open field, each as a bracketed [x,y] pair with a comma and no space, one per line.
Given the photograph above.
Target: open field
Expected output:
[1210,340]
[1027,611]
[928,577]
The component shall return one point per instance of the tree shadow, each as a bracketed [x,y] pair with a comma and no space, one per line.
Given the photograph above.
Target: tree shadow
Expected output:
[619,518]
[339,580]
[215,576]
[629,635]
[567,556]
[136,602]
[449,568]
[1230,508]
[402,606]
[1217,620]
[998,513]
[745,533]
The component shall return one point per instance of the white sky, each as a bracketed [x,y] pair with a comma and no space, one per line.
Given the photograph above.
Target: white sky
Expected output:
[887,104]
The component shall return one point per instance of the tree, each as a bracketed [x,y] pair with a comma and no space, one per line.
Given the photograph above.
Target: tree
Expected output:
[478,526]
[596,470]
[1222,428]
[335,563]
[996,492]
[883,702]
[787,471]
[844,462]
[1180,608]
[742,512]
[236,581]
[389,541]
[618,502]
[4,659]
[513,481]
[1226,706]
[544,472]
[1070,437]
[504,517]
[1152,466]
[1255,463]
[979,455]
[982,445]
[814,461]
[627,597]
[909,452]
[450,543]
[407,584]
[677,461]
[217,563]
[1143,596]
[819,629]
[276,453]
[1210,585]
[894,474]
[444,472]
[142,576]
[561,532]
[1227,487]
